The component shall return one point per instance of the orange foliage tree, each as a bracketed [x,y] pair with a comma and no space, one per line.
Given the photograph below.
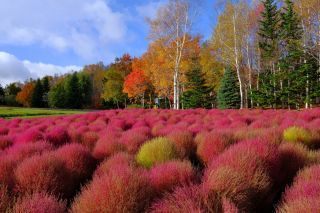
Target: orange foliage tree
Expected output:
[24,96]
[136,84]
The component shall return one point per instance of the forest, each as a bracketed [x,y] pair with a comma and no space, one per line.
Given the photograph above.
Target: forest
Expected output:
[262,54]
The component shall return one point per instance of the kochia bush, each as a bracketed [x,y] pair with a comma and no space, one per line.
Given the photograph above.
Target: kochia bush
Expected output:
[298,135]
[121,192]
[39,203]
[155,151]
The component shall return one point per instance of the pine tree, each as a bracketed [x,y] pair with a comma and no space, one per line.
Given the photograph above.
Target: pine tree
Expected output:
[198,95]
[57,96]
[37,96]
[73,95]
[2,94]
[292,53]
[46,89]
[228,94]
[269,37]
[85,87]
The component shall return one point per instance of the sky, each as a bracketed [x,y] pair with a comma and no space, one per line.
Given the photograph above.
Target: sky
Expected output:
[47,37]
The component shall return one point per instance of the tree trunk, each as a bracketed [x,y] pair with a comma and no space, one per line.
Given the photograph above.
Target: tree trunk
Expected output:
[237,60]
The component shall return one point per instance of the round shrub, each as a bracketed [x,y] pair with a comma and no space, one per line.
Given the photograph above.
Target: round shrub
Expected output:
[107,146]
[166,176]
[117,163]
[29,136]
[121,192]
[5,142]
[78,161]
[155,151]
[244,174]
[89,139]
[7,166]
[42,173]
[211,146]
[186,199]
[293,158]
[133,139]
[39,203]
[23,151]
[57,136]
[5,200]
[297,135]
[184,143]
[304,194]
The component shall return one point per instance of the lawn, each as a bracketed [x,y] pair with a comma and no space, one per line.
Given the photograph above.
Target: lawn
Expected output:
[11,112]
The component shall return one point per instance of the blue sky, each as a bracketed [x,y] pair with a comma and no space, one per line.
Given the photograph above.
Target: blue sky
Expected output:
[41,37]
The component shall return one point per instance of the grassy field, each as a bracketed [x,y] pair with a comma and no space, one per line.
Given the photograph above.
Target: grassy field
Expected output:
[12,112]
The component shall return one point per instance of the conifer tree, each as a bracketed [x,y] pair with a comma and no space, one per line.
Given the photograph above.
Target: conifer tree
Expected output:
[228,94]
[269,37]
[46,89]
[198,95]
[2,94]
[292,53]
[37,96]
[72,89]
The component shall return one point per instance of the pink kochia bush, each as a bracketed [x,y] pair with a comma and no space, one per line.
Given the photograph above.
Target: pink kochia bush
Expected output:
[57,136]
[78,162]
[42,173]
[166,176]
[244,174]
[161,161]
[304,194]
[117,163]
[107,145]
[128,191]
[39,203]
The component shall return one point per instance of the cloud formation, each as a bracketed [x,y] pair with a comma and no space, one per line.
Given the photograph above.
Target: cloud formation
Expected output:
[81,26]
[12,69]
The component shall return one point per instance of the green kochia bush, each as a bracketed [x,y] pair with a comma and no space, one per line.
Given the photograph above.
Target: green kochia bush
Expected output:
[155,151]
[298,135]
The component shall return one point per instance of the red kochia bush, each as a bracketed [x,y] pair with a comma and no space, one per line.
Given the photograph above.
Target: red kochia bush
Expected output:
[107,145]
[184,143]
[22,151]
[5,141]
[186,199]
[211,145]
[166,176]
[117,163]
[5,200]
[78,161]
[39,203]
[244,174]
[42,173]
[132,139]
[7,166]
[121,192]
[58,136]
[29,136]
[304,194]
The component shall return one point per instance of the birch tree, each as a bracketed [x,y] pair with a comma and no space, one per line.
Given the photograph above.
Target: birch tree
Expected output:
[172,24]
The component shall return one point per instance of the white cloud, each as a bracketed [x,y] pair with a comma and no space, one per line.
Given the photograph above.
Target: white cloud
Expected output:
[12,69]
[62,24]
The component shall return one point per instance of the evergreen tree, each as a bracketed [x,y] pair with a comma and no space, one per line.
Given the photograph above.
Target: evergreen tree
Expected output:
[198,95]
[57,96]
[291,64]
[1,95]
[85,87]
[37,96]
[269,37]
[46,89]
[73,93]
[228,94]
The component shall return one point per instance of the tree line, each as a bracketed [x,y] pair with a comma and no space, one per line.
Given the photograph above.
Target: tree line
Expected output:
[260,55]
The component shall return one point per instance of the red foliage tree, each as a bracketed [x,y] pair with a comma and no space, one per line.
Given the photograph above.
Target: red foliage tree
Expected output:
[136,84]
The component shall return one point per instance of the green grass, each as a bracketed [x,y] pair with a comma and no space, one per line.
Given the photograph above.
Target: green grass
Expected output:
[12,112]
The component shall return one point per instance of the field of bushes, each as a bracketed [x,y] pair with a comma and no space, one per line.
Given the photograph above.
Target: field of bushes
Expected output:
[162,161]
